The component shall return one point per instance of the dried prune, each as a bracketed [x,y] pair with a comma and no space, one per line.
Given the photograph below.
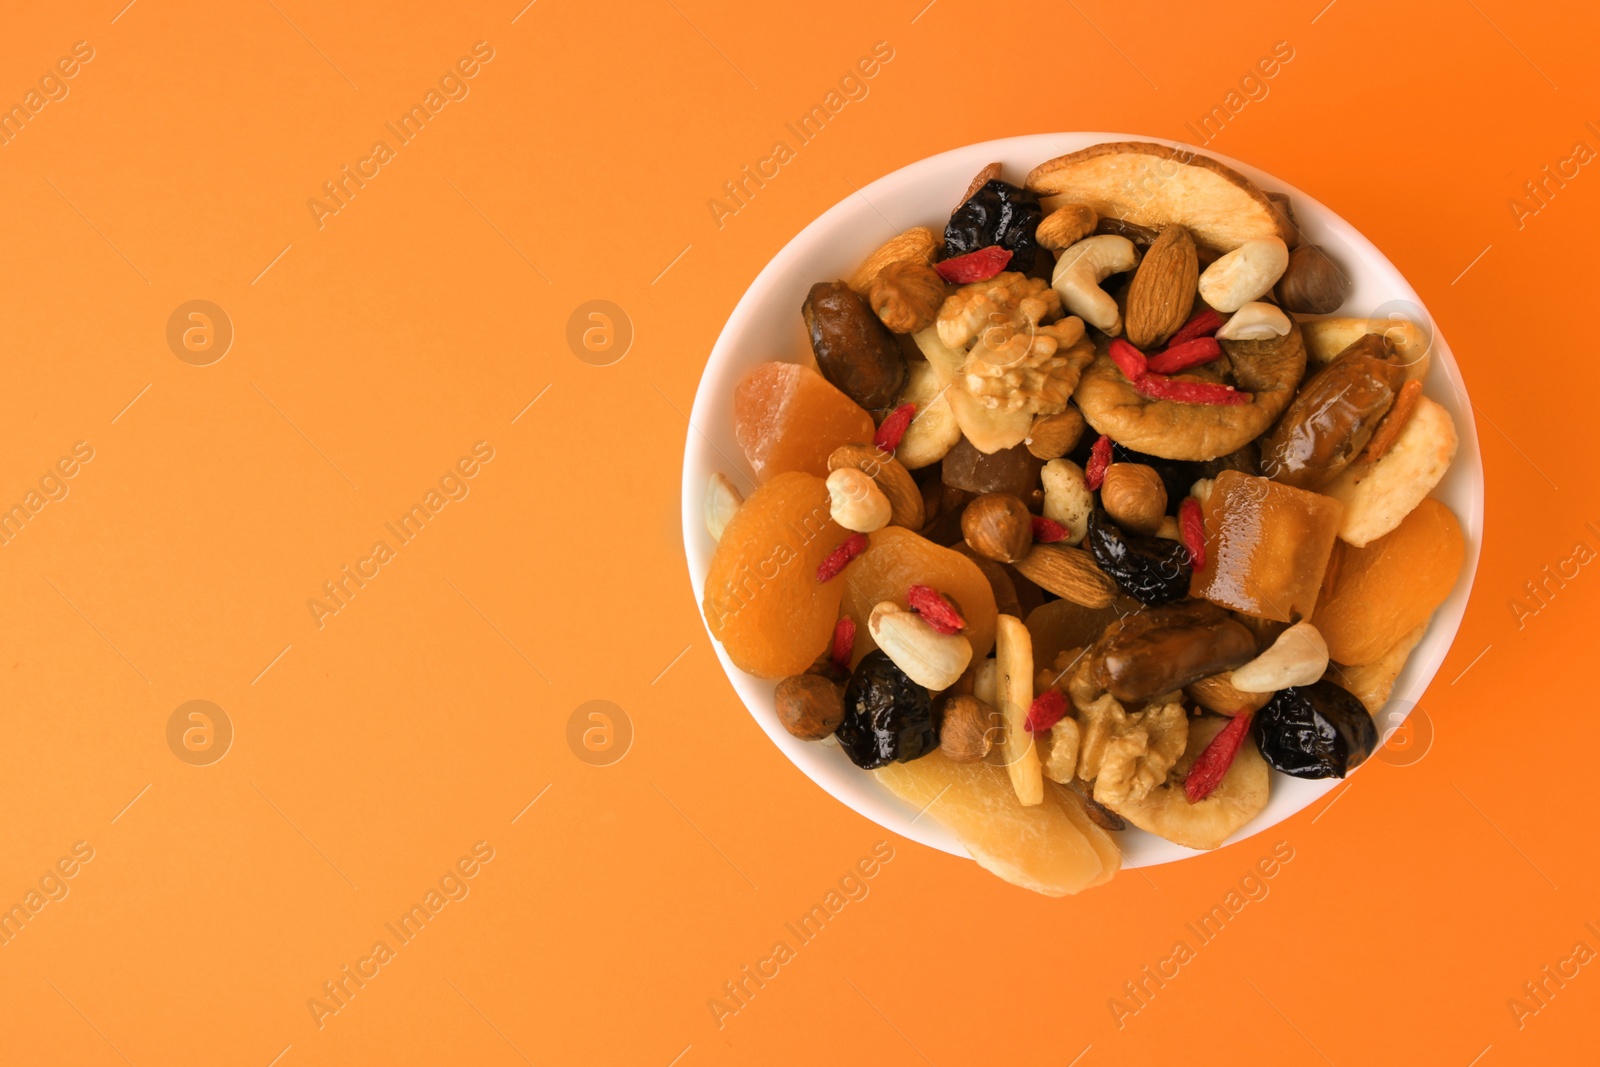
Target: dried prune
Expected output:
[1001,214]
[1314,731]
[887,716]
[1152,570]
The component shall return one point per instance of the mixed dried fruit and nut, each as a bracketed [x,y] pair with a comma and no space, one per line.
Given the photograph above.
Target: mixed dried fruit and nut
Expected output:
[1077,523]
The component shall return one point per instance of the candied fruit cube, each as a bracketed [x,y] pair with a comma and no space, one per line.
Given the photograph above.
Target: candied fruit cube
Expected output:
[762,597]
[1374,595]
[787,417]
[1267,545]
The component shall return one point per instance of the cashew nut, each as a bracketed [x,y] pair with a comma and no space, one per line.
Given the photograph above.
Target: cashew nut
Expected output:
[925,655]
[1082,268]
[1067,497]
[1298,657]
[722,500]
[1247,273]
[1255,321]
[855,501]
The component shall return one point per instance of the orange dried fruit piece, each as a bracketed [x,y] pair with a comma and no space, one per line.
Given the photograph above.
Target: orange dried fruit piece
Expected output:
[1267,546]
[1039,847]
[1061,625]
[787,417]
[896,560]
[762,597]
[1375,595]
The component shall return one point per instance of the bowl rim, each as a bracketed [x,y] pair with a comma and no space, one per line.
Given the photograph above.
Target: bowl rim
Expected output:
[864,794]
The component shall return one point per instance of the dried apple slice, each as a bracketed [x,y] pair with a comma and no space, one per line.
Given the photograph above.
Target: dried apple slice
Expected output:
[989,429]
[946,361]
[1154,185]
[1038,847]
[1013,653]
[1378,496]
[1326,338]
[933,430]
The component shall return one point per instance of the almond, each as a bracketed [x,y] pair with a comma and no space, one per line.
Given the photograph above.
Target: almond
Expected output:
[1163,288]
[1217,693]
[905,498]
[916,245]
[1053,436]
[982,178]
[1069,573]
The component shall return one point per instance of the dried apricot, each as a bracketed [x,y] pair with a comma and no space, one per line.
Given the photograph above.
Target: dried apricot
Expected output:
[1061,624]
[762,599]
[899,559]
[787,417]
[1375,595]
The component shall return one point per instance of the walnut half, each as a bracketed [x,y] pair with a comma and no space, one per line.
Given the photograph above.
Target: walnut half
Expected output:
[1124,755]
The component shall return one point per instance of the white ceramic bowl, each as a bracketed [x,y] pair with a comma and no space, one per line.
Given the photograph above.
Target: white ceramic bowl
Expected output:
[766,325]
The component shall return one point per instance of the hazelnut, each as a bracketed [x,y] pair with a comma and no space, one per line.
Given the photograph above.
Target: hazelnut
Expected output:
[1312,284]
[969,730]
[1134,496]
[1053,436]
[1066,226]
[906,296]
[999,526]
[1217,693]
[810,706]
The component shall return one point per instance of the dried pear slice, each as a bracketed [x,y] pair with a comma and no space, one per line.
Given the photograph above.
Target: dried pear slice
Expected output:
[1153,185]
[1039,847]
[1104,845]
[1326,338]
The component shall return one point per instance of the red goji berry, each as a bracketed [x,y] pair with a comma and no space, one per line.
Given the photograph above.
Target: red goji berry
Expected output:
[844,642]
[977,266]
[893,429]
[1160,387]
[1213,764]
[1129,360]
[1175,358]
[935,610]
[1046,711]
[1099,460]
[1049,531]
[836,560]
[1193,527]
[1202,323]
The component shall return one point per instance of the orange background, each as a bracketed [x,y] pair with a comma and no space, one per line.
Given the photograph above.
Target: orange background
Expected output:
[373,752]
